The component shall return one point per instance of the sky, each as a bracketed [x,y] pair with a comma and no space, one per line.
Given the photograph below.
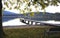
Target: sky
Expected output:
[50,9]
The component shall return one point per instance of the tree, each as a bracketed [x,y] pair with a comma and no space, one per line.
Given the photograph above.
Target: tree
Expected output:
[28,3]
[17,4]
[1,28]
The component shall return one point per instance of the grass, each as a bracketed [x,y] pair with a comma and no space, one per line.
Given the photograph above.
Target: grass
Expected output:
[36,32]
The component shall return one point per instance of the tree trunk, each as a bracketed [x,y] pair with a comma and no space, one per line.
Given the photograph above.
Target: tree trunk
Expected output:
[1,28]
[1,32]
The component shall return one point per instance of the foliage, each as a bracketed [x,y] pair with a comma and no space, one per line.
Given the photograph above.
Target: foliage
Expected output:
[19,3]
[45,3]
[32,14]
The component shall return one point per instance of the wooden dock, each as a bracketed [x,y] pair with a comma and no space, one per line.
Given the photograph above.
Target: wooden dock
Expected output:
[35,22]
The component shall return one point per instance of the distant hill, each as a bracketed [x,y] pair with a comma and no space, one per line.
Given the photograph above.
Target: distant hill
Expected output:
[46,16]
[8,13]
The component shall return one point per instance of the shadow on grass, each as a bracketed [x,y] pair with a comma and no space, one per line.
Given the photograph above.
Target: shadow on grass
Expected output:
[28,33]
[24,33]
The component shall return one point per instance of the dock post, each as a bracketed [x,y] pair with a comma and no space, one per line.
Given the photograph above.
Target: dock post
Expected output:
[28,22]
[35,23]
[31,22]
[24,21]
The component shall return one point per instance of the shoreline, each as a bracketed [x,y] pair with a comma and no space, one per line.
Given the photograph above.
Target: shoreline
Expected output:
[29,26]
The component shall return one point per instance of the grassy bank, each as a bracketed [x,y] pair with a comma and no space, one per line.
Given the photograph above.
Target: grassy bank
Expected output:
[34,32]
